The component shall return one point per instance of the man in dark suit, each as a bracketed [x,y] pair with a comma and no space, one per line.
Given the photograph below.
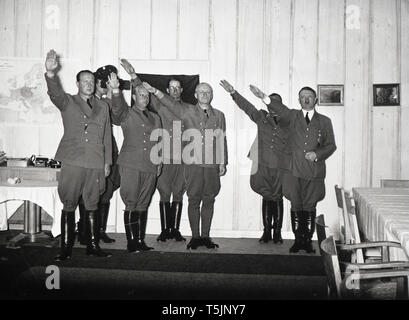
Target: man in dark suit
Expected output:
[270,160]
[85,152]
[138,167]
[311,142]
[207,126]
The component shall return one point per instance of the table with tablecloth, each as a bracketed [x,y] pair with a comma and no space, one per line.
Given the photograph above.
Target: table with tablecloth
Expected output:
[42,193]
[383,214]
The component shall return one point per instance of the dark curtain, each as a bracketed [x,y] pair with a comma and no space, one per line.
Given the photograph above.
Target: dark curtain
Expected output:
[188,82]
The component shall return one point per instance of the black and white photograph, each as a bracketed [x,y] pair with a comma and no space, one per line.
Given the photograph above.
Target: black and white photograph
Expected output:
[386,94]
[204,155]
[330,95]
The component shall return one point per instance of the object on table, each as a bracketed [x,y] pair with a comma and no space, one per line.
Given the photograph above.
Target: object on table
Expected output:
[18,162]
[14,180]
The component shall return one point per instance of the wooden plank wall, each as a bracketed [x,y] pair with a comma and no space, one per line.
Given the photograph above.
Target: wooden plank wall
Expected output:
[279,45]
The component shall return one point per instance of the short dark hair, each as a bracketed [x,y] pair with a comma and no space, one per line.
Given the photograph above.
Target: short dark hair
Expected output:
[275,96]
[83,71]
[309,89]
[174,79]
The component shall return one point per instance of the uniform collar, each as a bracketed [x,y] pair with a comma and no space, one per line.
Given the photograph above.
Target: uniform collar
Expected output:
[85,108]
[210,110]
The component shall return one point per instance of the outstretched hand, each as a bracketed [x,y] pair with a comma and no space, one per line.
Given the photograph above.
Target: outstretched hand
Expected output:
[51,62]
[127,66]
[227,86]
[113,81]
[257,92]
[148,87]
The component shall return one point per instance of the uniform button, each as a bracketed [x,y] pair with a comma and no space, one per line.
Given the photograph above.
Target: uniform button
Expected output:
[143,125]
[144,141]
[304,150]
[85,117]
[170,129]
[308,129]
[144,149]
[86,140]
[86,132]
[305,143]
[306,136]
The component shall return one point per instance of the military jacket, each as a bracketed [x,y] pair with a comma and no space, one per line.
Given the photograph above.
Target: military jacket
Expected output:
[317,136]
[270,148]
[87,139]
[207,146]
[141,131]
[172,132]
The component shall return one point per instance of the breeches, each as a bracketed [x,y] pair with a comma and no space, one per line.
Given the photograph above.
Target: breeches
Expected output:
[171,181]
[267,183]
[137,188]
[76,181]
[304,194]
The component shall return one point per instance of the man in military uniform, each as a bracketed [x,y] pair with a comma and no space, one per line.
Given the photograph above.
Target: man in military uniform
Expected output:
[137,168]
[102,91]
[311,141]
[171,181]
[269,157]
[208,163]
[85,151]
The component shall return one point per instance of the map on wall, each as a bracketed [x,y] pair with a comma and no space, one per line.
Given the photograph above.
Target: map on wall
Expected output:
[23,93]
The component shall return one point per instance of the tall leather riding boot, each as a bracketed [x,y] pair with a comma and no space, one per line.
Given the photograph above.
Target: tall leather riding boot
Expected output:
[81,224]
[176,210]
[309,230]
[131,229]
[164,209]
[103,214]
[267,216]
[67,235]
[140,239]
[277,212]
[296,217]
[92,233]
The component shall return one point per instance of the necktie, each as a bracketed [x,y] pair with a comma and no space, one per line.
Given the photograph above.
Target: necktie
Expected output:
[145,113]
[205,111]
[89,103]
[307,119]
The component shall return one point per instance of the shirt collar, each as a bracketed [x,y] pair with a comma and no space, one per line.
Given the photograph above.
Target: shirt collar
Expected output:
[310,113]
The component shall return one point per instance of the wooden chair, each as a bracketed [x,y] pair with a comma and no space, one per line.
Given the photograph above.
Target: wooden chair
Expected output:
[376,250]
[345,228]
[391,183]
[355,285]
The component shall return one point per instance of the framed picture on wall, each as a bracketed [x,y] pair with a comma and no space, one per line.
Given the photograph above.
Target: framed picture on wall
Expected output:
[330,95]
[387,94]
